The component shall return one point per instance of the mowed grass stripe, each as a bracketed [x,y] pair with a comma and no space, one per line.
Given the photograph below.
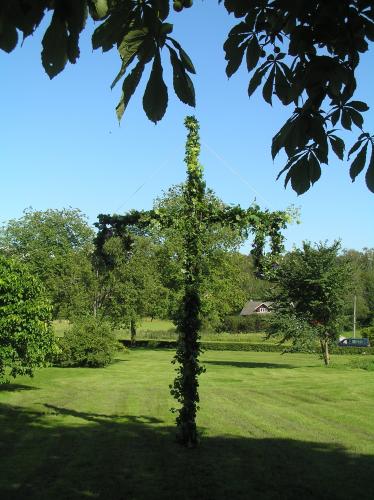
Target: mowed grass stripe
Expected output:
[274,427]
[305,412]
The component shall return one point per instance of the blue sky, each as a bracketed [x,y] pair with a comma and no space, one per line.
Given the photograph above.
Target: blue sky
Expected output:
[61,144]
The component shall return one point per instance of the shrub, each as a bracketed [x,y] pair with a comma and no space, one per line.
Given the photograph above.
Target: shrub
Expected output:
[245,324]
[368,333]
[90,342]
[352,350]
[363,364]
[208,345]
[243,346]
[26,336]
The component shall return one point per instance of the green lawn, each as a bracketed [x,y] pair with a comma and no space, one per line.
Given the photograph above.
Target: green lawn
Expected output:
[156,325]
[274,427]
[164,329]
[60,326]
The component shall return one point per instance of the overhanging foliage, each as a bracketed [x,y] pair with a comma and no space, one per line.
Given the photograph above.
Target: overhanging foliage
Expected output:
[303,52]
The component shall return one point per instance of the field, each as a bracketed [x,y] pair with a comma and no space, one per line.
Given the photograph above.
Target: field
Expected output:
[160,329]
[273,427]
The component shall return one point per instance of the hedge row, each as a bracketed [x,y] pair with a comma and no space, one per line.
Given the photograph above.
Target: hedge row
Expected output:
[239,346]
[208,345]
[245,324]
[352,350]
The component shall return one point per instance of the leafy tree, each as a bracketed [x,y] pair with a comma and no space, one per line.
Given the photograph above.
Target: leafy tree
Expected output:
[128,282]
[220,293]
[362,279]
[154,259]
[303,52]
[245,275]
[309,296]
[57,246]
[26,337]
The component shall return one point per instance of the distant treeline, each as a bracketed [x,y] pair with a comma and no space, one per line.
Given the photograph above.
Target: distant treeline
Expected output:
[58,248]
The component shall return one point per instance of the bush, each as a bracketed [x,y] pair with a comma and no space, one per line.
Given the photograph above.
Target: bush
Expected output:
[363,364]
[26,336]
[241,346]
[368,333]
[208,345]
[351,350]
[90,342]
[245,324]
[244,346]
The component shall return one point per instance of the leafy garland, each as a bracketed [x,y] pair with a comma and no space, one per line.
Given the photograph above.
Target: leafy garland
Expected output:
[195,219]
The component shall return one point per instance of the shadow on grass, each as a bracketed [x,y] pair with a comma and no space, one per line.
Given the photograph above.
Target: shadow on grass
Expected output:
[119,360]
[249,364]
[46,455]
[96,417]
[16,387]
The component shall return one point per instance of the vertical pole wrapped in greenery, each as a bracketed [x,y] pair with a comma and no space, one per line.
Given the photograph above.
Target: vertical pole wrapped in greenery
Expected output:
[185,387]
[192,224]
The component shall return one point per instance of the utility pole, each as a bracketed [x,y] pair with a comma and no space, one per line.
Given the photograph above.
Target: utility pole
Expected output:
[354,316]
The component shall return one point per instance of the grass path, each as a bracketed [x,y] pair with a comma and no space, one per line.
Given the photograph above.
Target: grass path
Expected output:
[274,427]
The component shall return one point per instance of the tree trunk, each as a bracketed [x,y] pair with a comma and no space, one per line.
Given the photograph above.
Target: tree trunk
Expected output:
[325,350]
[133,332]
[96,298]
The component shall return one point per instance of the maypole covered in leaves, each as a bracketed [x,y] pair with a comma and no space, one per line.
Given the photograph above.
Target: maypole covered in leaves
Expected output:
[185,388]
[195,218]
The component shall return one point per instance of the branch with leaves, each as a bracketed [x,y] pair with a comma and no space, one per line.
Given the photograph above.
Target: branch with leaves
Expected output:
[304,52]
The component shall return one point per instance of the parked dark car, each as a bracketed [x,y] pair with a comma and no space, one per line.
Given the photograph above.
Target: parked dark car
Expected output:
[354,343]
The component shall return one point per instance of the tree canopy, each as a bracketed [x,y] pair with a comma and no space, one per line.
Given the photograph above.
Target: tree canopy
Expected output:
[309,297]
[129,285]
[26,337]
[56,245]
[303,52]
[220,293]
[362,278]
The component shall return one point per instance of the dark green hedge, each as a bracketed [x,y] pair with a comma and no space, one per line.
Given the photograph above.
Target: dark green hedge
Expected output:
[352,350]
[245,324]
[150,344]
[208,345]
[239,346]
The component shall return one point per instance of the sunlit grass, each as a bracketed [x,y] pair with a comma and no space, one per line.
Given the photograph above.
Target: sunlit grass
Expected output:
[274,426]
